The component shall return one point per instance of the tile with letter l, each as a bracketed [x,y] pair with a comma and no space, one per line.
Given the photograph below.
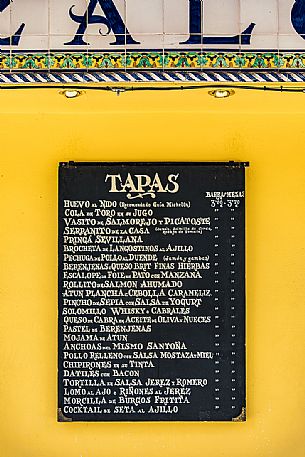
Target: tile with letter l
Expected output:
[176,17]
[221,17]
[263,13]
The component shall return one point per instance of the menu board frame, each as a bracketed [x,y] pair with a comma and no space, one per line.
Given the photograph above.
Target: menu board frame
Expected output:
[226,369]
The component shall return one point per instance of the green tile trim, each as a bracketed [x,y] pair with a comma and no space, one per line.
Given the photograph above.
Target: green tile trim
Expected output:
[151,60]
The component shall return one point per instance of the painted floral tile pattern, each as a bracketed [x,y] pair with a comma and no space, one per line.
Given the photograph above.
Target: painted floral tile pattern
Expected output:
[89,35]
[151,60]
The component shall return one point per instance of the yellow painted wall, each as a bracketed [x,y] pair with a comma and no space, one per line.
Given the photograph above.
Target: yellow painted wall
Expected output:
[40,128]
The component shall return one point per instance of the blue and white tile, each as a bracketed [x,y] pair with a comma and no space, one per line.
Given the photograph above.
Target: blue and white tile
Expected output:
[221,17]
[176,18]
[263,13]
[145,16]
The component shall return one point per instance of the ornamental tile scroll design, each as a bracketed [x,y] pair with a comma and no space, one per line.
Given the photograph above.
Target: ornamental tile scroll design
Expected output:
[149,76]
[156,35]
[140,60]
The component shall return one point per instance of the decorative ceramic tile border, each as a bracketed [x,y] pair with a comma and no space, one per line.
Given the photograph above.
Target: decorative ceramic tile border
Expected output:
[171,60]
[151,77]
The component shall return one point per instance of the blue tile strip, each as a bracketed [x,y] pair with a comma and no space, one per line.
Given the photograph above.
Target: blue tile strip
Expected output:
[194,76]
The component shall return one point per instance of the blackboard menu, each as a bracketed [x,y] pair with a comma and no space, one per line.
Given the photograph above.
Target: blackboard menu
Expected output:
[151,323]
